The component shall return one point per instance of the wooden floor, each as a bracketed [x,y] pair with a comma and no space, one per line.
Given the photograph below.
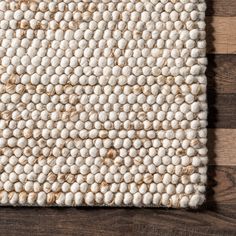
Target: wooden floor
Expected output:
[217,216]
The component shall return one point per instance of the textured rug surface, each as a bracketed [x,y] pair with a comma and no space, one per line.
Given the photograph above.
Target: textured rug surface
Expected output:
[103,103]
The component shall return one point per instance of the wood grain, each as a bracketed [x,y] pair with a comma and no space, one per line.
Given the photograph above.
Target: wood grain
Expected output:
[221,185]
[221,147]
[127,222]
[221,74]
[221,34]
[222,110]
[109,222]
[221,7]
[221,92]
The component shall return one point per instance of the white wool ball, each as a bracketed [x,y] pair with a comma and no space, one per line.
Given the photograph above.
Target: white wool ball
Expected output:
[195,107]
[166,179]
[179,188]
[69,198]
[118,199]
[189,189]
[41,198]
[128,197]
[122,43]
[137,199]
[203,177]
[89,198]
[196,161]
[79,198]
[143,188]
[108,197]
[184,201]
[196,200]
[147,198]
[4,197]
[8,186]
[194,178]
[156,199]
[195,70]
[165,198]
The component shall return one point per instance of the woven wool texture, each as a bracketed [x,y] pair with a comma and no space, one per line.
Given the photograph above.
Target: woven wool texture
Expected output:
[103,103]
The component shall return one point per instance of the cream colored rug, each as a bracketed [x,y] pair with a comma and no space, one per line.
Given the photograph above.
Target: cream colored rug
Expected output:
[103,103]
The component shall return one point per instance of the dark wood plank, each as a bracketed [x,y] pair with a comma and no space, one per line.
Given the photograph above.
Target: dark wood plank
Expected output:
[216,217]
[222,110]
[221,91]
[90,221]
[221,73]
[221,7]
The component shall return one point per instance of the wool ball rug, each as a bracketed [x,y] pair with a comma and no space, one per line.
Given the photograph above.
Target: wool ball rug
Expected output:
[103,103]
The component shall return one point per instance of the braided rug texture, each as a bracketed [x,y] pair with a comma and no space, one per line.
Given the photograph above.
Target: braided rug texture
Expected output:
[103,103]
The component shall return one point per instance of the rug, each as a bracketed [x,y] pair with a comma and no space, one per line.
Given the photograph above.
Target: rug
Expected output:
[103,103]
